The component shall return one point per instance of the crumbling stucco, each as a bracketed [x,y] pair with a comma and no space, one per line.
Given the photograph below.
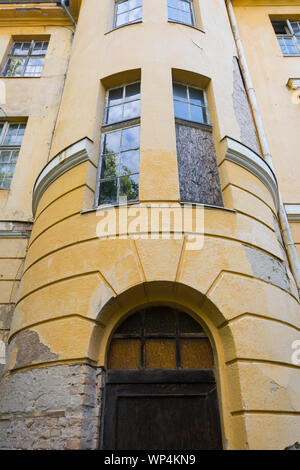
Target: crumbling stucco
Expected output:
[242,110]
[197,166]
[268,268]
[61,410]
[29,349]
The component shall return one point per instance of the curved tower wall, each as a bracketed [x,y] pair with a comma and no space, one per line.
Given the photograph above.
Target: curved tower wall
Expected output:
[77,286]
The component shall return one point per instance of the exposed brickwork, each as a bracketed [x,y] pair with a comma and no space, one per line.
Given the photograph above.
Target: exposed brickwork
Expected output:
[54,407]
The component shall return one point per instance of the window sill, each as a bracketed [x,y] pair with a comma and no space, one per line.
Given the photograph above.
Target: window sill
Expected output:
[123,26]
[18,78]
[183,122]
[186,24]
[110,206]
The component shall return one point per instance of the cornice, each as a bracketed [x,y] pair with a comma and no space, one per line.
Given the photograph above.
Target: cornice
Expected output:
[292,212]
[72,156]
[246,158]
[14,229]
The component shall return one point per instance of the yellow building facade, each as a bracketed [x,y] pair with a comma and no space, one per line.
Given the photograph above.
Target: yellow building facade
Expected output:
[190,111]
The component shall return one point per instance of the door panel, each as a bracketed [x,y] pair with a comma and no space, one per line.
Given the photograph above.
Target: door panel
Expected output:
[161,416]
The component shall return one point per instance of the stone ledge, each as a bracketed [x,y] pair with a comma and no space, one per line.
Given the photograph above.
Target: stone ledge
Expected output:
[72,156]
[241,155]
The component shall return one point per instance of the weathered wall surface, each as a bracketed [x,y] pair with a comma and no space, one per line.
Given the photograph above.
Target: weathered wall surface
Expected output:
[76,287]
[51,408]
[242,110]
[197,166]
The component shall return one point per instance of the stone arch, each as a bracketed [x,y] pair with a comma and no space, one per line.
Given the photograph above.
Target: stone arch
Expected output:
[188,300]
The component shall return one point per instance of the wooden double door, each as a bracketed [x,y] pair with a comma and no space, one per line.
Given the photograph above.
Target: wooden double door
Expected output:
[160,391]
[161,410]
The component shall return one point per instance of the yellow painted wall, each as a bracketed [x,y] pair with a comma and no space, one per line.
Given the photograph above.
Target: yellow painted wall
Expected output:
[76,288]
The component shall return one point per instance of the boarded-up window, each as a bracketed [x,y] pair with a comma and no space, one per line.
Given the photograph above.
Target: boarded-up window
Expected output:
[197,165]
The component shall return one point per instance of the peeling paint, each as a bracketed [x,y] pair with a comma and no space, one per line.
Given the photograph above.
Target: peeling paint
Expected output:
[27,349]
[267,268]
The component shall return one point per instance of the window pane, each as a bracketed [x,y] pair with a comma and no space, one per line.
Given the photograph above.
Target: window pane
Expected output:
[131,138]
[108,167]
[129,187]
[196,96]
[295,27]
[115,96]
[40,48]
[14,67]
[186,18]
[34,67]
[12,137]
[130,326]
[5,156]
[181,110]
[185,6]
[180,91]
[135,15]
[173,3]
[20,48]
[108,192]
[131,110]
[124,354]
[129,162]
[280,27]
[197,114]
[174,14]
[115,114]
[160,354]
[134,4]
[196,354]
[160,320]
[122,6]
[132,91]
[188,325]
[112,142]
[122,19]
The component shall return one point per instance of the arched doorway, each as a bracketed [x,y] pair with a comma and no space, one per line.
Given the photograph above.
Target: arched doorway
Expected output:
[160,391]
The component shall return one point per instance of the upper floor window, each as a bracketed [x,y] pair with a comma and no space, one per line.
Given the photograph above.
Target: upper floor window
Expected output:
[11,136]
[288,35]
[25,59]
[122,103]
[181,11]
[118,173]
[127,11]
[190,103]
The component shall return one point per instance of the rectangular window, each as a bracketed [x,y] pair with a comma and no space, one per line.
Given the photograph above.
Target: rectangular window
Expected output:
[181,11]
[25,59]
[11,136]
[127,11]
[288,35]
[120,156]
[190,104]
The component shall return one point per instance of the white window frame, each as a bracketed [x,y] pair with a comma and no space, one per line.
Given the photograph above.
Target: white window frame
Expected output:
[116,15]
[290,34]
[27,57]
[208,122]
[108,128]
[107,107]
[193,16]
[5,147]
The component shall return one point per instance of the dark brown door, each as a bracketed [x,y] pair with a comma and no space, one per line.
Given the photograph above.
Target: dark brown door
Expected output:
[177,411]
[160,389]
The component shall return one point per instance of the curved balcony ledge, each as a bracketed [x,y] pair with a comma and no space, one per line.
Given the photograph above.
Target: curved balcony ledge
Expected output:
[243,156]
[70,157]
